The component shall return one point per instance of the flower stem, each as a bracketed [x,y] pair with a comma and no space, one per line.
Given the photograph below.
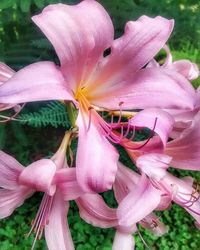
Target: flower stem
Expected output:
[71,115]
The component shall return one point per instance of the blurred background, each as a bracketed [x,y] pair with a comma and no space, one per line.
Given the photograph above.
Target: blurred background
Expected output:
[21,43]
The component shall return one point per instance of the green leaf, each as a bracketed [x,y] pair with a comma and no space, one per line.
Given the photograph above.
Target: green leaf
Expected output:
[4,4]
[39,3]
[53,114]
[25,5]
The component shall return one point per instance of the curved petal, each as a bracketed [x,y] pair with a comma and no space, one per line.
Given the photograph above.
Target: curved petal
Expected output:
[139,203]
[10,170]
[39,175]
[64,175]
[169,59]
[125,181]
[185,195]
[123,241]
[153,223]
[148,88]
[186,68]
[76,34]
[94,210]
[96,160]
[141,42]
[57,231]
[11,199]
[5,73]
[154,165]
[36,82]
[157,120]
[184,150]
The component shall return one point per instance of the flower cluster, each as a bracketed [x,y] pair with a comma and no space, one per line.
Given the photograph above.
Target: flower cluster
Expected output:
[135,92]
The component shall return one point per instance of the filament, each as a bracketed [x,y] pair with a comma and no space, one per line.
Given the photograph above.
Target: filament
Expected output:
[41,219]
[7,119]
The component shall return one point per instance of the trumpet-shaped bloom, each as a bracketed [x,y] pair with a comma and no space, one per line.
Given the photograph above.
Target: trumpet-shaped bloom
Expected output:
[126,182]
[184,150]
[137,205]
[190,71]
[89,79]
[18,183]
[182,191]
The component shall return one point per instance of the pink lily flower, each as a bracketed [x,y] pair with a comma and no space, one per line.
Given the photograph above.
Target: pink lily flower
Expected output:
[135,205]
[191,72]
[182,191]
[186,68]
[18,183]
[95,211]
[90,80]
[126,182]
[184,150]
[184,119]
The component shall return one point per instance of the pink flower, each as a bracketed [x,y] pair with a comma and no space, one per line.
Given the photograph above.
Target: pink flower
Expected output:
[183,150]
[190,71]
[138,199]
[182,191]
[184,119]
[90,80]
[185,67]
[18,183]
[127,189]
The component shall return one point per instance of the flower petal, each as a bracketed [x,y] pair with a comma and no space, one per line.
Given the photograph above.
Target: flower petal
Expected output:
[65,179]
[5,73]
[94,210]
[39,175]
[148,88]
[125,181]
[57,231]
[186,68]
[185,149]
[153,223]
[10,170]
[96,160]
[76,34]
[11,199]
[141,42]
[123,241]
[36,82]
[157,120]
[139,203]
[154,165]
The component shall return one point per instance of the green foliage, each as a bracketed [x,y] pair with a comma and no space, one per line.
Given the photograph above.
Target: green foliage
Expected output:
[53,114]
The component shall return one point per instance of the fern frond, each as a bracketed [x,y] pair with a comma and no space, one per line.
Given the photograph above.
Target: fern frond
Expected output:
[53,114]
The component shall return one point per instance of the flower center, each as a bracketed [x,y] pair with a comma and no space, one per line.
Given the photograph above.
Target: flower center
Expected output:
[81,97]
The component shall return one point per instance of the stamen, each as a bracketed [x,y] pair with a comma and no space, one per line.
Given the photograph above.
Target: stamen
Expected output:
[151,135]
[127,130]
[120,112]
[90,118]
[41,219]
[142,239]
[7,119]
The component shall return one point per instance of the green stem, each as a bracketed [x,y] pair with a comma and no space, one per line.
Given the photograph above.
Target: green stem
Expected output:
[70,112]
